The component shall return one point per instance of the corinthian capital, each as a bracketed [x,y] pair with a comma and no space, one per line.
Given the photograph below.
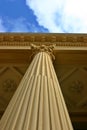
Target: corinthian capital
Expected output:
[43,48]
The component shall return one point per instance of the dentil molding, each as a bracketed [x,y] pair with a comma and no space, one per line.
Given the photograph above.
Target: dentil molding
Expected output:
[25,39]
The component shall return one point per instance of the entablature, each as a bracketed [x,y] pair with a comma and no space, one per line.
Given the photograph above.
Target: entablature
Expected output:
[62,41]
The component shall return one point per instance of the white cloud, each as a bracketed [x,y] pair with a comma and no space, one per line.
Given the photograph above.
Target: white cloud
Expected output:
[2,28]
[61,15]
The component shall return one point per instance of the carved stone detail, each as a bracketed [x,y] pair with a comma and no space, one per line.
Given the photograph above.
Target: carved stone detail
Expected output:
[58,39]
[76,87]
[9,85]
[43,48]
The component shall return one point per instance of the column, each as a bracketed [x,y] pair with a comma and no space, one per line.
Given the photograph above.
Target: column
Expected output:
[38,103]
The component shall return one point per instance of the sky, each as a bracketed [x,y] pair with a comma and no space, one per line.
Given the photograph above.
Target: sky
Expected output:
[43,16]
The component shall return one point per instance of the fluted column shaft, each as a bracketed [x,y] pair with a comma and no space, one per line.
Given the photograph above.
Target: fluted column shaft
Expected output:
[38,103]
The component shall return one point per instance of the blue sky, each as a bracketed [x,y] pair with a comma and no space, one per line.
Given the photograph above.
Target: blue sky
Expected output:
[16,16]
[53,16]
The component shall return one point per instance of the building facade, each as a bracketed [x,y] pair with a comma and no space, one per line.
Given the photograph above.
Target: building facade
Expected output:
[70,64]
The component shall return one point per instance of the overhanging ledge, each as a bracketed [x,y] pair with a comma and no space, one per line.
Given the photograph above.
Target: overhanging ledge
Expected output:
[62,41]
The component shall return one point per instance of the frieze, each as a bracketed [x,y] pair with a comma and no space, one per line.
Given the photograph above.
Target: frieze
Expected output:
[21,39]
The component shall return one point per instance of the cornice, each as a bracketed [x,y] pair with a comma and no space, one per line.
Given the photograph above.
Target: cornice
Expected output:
[25,39]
